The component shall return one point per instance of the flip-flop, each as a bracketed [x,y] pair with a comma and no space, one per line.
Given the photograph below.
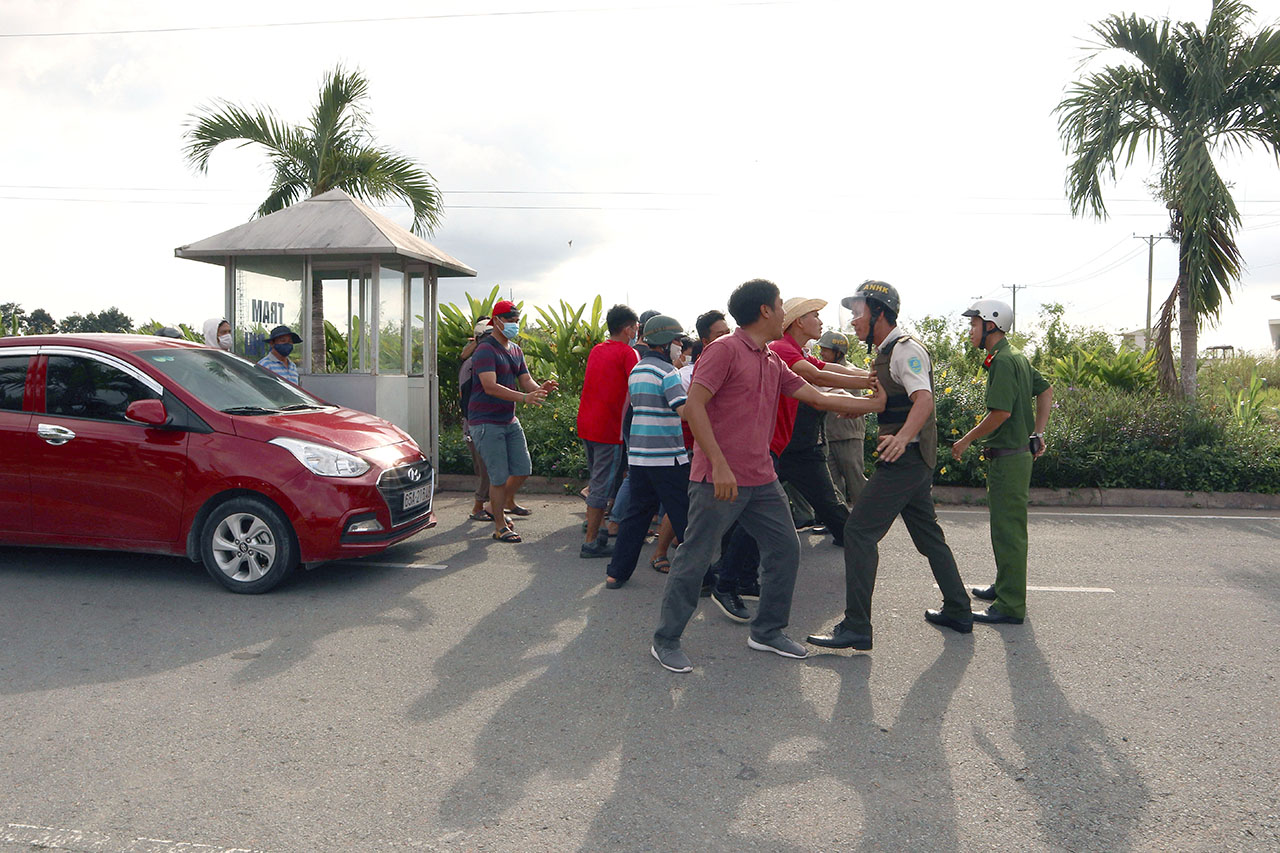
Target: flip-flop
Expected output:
[518,510]
[482,515]
[508,535]
[660,564]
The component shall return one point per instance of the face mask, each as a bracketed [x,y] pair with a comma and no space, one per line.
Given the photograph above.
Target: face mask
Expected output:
[224,341]
[675,350]
[283,349]
[511,331]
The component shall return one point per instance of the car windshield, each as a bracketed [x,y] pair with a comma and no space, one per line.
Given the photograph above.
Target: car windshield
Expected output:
[228,383]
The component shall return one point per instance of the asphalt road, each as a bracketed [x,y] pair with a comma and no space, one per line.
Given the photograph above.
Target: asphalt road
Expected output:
[462,694]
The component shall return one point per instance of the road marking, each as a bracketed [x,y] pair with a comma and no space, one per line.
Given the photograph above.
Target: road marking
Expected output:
[1034,511]
[435,567]
[84,841]
[1064,588]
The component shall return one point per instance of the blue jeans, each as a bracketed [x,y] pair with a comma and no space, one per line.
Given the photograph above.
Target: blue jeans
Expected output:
[666,486]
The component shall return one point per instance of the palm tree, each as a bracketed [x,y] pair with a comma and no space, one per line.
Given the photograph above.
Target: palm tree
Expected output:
[1185,95]
[333,150]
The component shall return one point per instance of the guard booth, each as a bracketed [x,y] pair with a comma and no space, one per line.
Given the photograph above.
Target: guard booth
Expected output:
[360,290]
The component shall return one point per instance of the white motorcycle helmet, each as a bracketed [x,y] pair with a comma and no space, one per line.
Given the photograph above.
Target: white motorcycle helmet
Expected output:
[992,311]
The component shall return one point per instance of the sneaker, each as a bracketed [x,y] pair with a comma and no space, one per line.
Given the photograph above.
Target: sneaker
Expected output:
[779,645]
[818,530]
[595,549]
[672,659]
[750,590]
[731,605]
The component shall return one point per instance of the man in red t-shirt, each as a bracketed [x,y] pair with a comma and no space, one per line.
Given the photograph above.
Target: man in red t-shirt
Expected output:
[600,411]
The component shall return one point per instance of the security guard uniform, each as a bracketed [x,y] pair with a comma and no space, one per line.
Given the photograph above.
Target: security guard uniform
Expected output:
[1012,386]
[902,487]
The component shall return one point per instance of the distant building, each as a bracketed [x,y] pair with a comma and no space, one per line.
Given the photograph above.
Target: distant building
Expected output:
[1136,340]
[1275,330]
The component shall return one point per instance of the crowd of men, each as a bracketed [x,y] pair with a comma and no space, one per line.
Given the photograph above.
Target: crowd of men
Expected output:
[697,438]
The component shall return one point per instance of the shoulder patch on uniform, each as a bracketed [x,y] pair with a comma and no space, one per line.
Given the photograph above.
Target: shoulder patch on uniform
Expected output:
[915,364]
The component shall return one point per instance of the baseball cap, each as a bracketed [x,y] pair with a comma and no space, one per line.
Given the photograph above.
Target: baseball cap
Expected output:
[503,307]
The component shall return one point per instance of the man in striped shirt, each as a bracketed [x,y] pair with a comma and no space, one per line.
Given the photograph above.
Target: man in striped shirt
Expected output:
[277,358]
[656,453]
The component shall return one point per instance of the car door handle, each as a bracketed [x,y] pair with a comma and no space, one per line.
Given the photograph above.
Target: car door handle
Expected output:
[54,434]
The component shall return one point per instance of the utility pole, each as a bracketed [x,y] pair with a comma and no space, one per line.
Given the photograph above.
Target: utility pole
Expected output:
[1015,288]
[1151,248]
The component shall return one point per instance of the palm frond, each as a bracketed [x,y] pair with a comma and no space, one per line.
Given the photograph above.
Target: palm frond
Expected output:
[223,121]
[378,175]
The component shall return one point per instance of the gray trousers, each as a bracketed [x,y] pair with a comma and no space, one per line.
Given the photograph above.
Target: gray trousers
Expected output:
[764,511]
[846,458]
[902,487]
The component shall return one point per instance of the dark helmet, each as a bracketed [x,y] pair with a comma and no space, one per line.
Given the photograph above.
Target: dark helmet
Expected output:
[838,342]
[879,291]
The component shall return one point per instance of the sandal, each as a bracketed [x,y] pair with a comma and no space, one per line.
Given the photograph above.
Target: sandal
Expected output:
[518,510]
[660,564]
[508,535]
[482,515]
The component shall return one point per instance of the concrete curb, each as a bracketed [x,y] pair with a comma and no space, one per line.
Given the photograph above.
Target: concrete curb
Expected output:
[972,496]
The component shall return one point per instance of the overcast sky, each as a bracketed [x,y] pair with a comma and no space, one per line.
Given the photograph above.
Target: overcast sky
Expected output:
[658,153]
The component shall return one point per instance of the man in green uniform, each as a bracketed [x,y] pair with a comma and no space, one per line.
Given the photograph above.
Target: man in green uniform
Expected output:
[903,480]
[1011,384]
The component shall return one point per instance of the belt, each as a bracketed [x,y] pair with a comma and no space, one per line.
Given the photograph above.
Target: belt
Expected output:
[997,452]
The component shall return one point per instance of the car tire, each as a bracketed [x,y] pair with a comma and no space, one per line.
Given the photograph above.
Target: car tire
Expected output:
[247,545]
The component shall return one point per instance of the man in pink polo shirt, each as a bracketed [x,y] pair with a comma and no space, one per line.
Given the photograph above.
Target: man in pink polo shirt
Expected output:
[732,407]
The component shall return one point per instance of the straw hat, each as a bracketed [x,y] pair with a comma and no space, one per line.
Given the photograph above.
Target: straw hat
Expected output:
[795,308]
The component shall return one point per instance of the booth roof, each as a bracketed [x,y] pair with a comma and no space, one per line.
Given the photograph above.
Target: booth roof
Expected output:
[332,223]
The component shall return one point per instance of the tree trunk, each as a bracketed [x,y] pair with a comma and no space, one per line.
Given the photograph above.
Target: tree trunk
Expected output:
[1187,337]
[1166,374]
[318,347]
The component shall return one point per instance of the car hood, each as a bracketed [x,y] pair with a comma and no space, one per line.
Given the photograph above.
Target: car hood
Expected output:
[346,429]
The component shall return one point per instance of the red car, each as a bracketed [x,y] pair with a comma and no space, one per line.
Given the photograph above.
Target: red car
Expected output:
[135,443]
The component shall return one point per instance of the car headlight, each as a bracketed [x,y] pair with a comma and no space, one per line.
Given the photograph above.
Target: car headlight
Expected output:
[322,459]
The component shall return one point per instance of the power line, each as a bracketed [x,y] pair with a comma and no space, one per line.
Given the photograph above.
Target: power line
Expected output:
[392,19]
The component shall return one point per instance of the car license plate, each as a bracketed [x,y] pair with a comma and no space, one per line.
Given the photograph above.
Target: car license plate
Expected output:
[413,497]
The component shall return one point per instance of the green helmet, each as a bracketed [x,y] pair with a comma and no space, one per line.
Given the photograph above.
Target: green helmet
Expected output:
[661,329]
[883,292]
[838,342]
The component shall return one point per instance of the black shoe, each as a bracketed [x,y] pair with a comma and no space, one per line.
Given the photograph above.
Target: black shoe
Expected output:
[613,584]
[707,589]
[842,638]
[986,593]
[731,605]
[937,617]
[991,616]
[818,529]
[750,590]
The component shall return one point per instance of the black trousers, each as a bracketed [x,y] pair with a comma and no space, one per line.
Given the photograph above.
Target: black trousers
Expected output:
[806,470]
[650,486]
[900,488]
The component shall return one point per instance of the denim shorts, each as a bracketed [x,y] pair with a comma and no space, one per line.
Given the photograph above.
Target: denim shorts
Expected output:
[503,449]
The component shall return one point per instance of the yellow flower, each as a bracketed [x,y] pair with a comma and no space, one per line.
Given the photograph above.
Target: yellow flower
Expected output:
[948,390]
[944,470]
[955,431]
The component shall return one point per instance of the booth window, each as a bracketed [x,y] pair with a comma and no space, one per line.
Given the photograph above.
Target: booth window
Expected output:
[268,293]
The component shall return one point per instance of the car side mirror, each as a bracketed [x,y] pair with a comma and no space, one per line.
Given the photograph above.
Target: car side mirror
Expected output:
[149,412]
